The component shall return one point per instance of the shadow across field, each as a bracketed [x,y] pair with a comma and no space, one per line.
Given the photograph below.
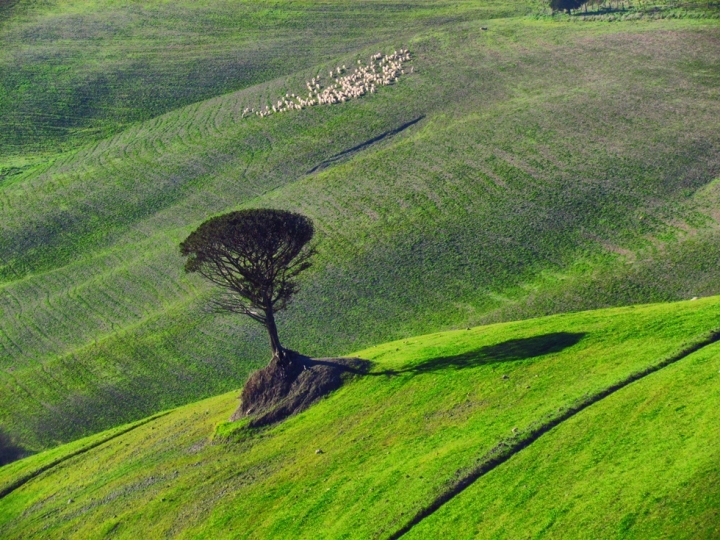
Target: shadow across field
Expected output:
[360,147]
[507,351]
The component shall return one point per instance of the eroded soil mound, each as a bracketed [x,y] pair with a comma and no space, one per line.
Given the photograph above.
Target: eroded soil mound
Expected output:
[289,386]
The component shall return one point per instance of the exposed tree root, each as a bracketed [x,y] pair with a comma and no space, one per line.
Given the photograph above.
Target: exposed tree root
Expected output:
[291,384]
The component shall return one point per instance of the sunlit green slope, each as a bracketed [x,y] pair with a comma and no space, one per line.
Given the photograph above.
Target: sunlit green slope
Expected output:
[644,458]
[556,165]
[643,464]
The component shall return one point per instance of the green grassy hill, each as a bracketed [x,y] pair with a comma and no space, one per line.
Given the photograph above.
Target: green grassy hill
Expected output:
[75,71]
[558,164]
[433,410]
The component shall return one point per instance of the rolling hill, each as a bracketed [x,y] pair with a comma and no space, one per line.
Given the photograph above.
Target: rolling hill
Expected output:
[528,165]
[610,413]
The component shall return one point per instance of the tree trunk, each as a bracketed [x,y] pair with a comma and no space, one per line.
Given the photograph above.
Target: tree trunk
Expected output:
[277,349]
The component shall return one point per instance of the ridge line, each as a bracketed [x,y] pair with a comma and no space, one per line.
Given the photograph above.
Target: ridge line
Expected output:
[509,447]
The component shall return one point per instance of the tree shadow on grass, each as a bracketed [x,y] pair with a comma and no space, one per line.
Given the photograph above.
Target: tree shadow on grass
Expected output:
[507,351]
[316,377]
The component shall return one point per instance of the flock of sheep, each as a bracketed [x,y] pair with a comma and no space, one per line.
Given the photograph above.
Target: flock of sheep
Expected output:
[383,69]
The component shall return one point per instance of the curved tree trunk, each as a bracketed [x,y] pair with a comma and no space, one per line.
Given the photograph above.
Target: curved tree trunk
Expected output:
[277,348]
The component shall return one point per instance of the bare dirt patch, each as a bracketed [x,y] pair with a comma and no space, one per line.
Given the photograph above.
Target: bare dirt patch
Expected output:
[287,387]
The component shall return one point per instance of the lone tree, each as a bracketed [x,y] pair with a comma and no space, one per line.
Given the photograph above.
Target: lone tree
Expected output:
[255,255]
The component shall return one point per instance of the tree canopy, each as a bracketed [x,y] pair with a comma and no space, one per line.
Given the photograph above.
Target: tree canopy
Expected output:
[255,256]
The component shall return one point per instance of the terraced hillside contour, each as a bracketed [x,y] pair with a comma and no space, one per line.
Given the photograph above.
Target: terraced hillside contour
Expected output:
[546,165]
[645,457]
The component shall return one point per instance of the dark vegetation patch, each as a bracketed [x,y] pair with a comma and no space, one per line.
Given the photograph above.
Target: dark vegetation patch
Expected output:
[5,6]
[10,450]
[680,270]
[283,388]
[139,395]
[622,10]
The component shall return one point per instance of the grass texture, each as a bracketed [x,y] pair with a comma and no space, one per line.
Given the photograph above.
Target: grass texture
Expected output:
[394,440]
[559,164]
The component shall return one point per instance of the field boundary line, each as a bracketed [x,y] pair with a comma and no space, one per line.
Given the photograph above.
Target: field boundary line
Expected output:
[511,446]
[7,490]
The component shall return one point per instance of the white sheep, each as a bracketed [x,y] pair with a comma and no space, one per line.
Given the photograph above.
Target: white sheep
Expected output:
[382,70]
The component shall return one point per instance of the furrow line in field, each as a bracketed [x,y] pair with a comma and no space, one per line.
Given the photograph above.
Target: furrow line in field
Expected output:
[218,120]
[9,340]
[102,321]
[52,311]
[7,490]
[158,145]
[507,448]
[23,390]
[58,382]
[33,324]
